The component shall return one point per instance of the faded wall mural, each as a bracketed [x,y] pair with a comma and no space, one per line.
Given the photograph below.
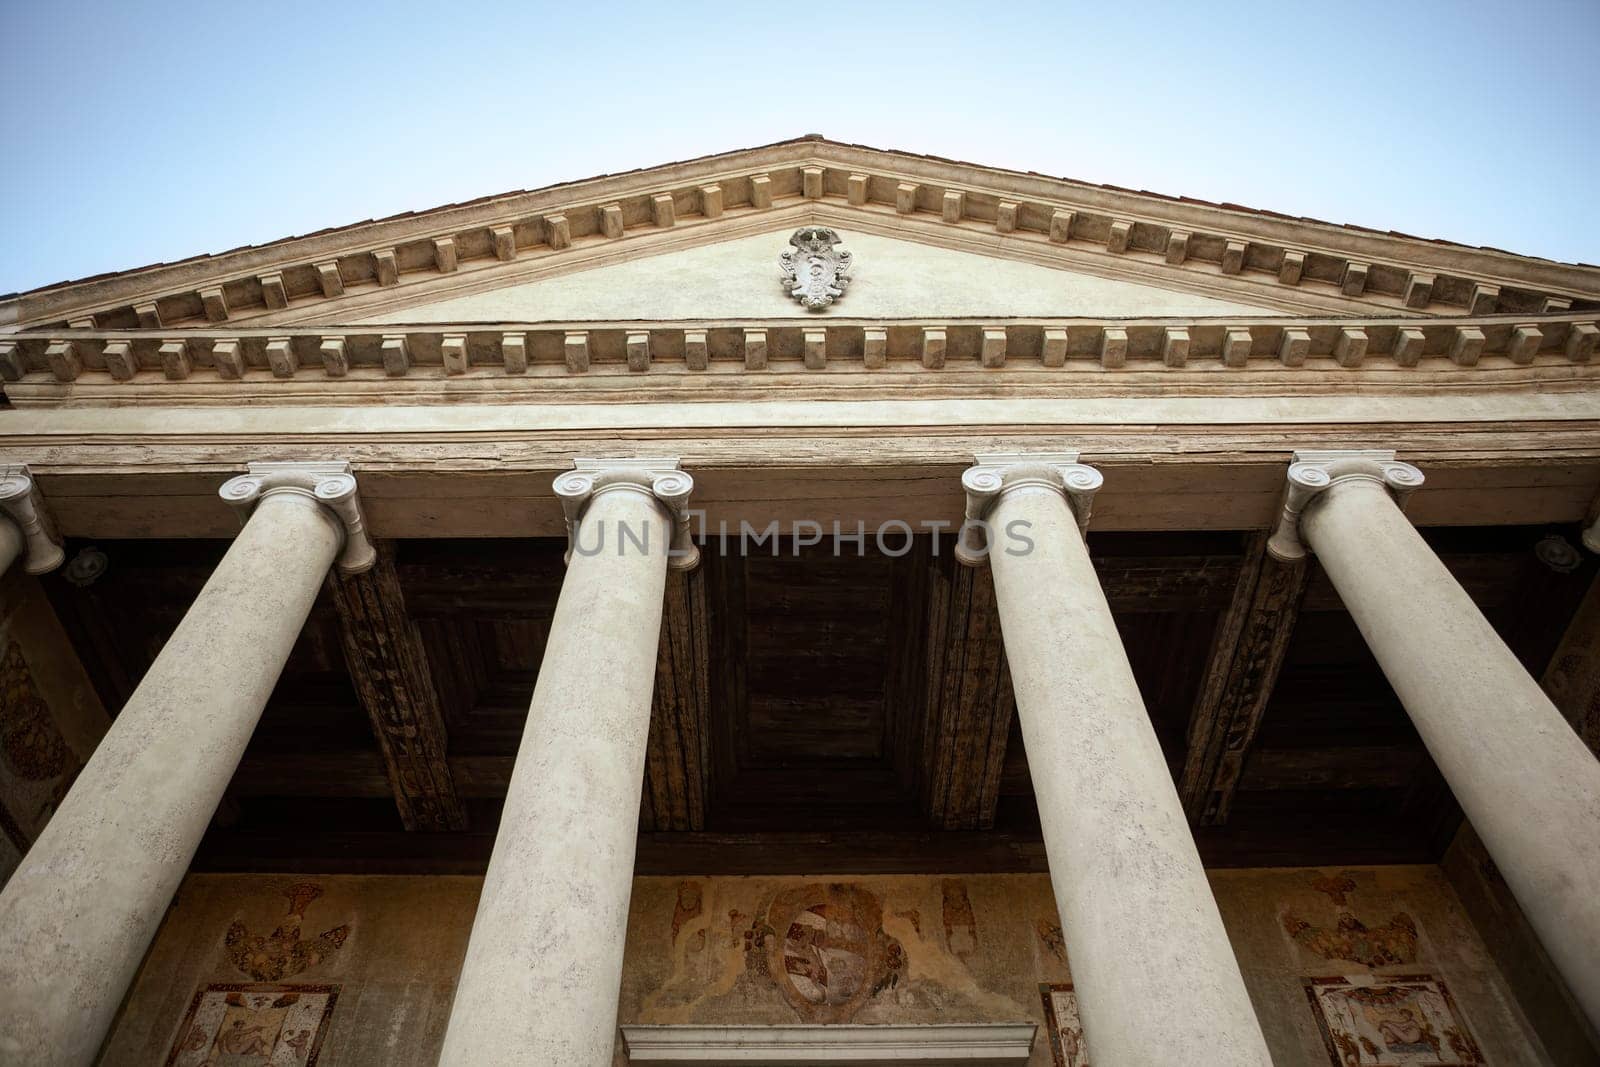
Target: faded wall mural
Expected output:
[283,971]
[843,950]
[50,717]
[264,1024]
[1407,1019]
[1064,1029]
[36,766]
[252,970]
[256,1025]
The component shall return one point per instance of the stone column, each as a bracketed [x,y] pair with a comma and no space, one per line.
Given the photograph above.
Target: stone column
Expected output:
[80,911]
[1526,781]
[1155,975]
[25,528]
[543,967]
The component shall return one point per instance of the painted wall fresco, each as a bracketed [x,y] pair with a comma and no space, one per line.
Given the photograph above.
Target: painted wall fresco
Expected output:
[283,953]
[36,767]
[50,718]
[1062,1026]
[1370,967]
[283,971]
[843,950]
[385,951]
[255,1025]
[1404,1020]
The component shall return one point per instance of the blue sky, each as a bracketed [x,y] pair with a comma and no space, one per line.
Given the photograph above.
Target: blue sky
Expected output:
[140,132]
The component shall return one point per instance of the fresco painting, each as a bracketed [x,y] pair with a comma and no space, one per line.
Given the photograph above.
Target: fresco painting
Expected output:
[1063,1026]
[254,1025]
[1402,1020]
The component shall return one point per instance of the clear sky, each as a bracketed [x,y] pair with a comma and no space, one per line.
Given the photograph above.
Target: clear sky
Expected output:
[143,131]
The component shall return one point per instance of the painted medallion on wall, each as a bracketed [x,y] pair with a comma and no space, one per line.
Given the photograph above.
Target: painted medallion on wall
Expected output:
[1061,1020]
[1390,943]
[256,1025]
[1404,1020]
[783,950]
[284,953]
[824,947]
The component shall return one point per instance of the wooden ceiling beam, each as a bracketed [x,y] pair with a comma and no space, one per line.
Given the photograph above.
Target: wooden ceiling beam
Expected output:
[968,701]
[677,756]
[1573,676]
[389,669]
[1246,657]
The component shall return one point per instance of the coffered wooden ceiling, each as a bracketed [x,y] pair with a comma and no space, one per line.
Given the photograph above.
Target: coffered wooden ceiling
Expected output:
[816,713]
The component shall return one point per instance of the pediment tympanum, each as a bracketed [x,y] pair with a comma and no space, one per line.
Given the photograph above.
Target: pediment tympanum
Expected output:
[893,279]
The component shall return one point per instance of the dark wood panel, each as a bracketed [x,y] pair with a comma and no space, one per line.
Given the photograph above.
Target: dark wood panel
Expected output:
[1246,658]
[677,756]
[816,737]
[968,699]
[389,667]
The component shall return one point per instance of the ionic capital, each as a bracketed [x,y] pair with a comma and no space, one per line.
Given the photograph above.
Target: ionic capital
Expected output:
[21,502]
[329,484]
[1315,472]
[658,478]
[995,475]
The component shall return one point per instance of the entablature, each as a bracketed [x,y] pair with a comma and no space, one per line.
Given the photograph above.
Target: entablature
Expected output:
[487,360]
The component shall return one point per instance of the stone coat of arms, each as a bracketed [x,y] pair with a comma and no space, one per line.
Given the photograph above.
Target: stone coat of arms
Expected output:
[815,271]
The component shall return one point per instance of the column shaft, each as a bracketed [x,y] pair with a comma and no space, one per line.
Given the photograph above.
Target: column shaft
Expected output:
[79,912]
[1528,783]
[1155,975]
[543,969]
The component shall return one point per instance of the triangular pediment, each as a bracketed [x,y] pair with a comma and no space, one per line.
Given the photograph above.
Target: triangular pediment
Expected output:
[990,242]
[891,278]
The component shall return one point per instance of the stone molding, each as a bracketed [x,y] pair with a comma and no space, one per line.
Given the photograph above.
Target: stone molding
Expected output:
[23,504]
[996,474]
[1313,473]
[973,1044]
[1179,239]
[659,478]
[1270,345]
[329,483]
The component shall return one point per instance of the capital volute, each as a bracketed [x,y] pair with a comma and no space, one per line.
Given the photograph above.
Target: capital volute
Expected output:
[330,484]
[1313,473]
[994,475]
[659,478]
[22,503]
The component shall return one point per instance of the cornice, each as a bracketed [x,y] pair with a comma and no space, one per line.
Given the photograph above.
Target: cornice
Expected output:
[333,362]
[1180,242]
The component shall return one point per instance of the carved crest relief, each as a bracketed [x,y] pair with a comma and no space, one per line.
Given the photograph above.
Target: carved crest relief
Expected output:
[815,271]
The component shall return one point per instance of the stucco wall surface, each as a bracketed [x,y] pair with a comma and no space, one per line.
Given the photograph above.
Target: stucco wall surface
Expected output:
[740,279]
[824,949]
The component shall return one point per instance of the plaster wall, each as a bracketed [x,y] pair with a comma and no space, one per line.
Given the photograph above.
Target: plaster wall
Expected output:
[739,279]
[893,949]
